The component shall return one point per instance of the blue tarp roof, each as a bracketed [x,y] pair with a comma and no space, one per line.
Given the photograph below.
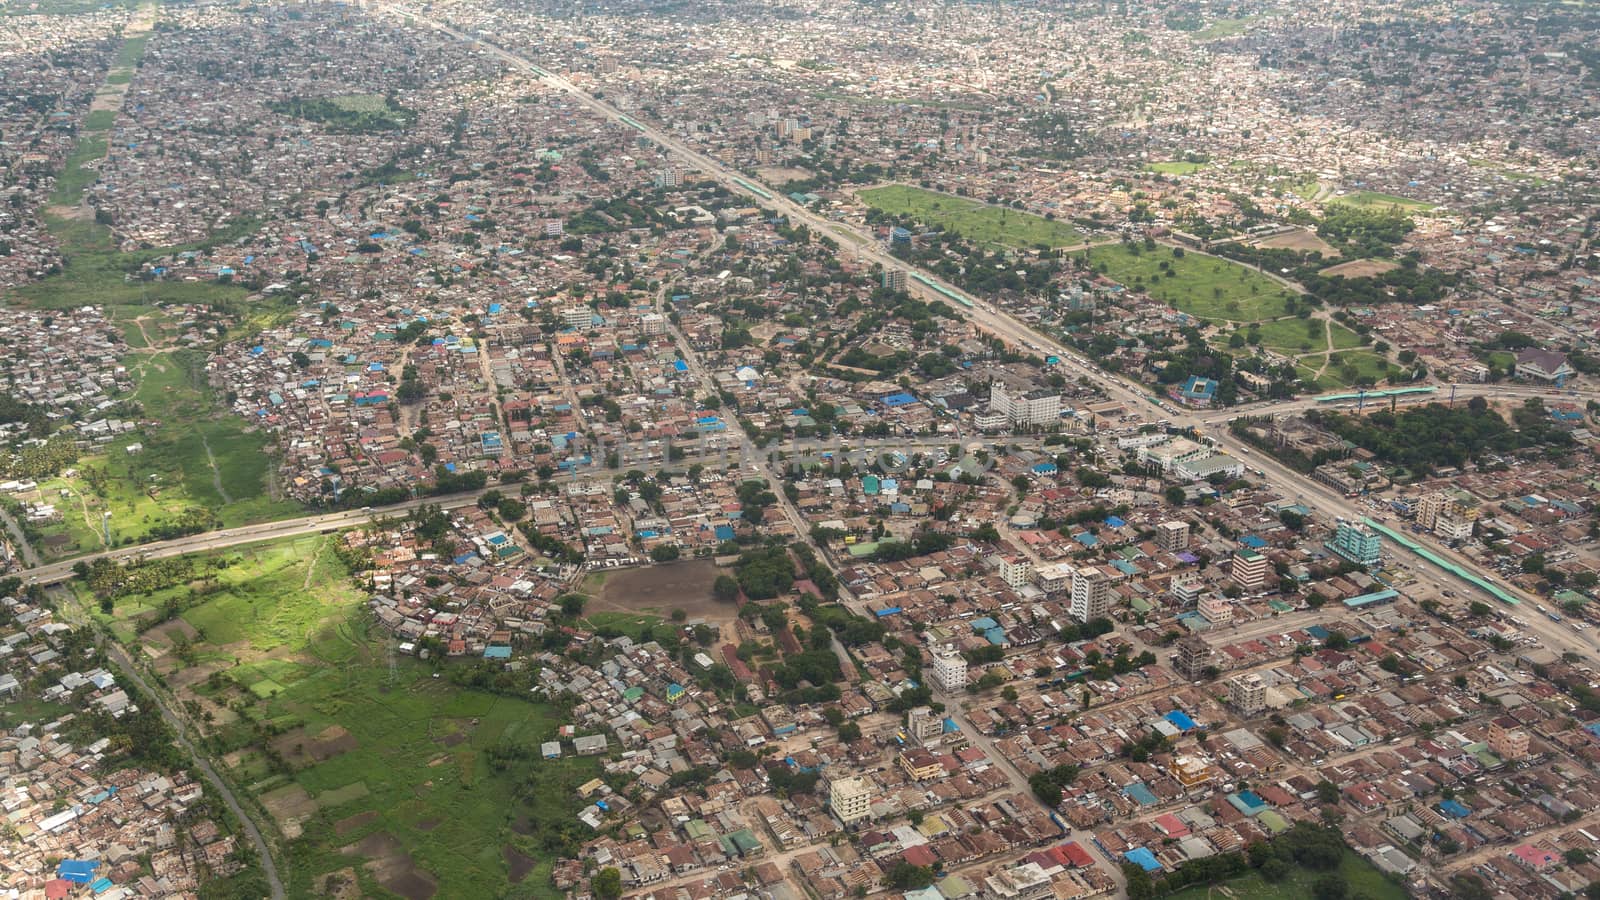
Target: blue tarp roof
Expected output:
[1181,720]
[724,532]
[1138,793]
[78,871]
[1115,522]
[1143,858]
[497,653]
[1453,809]
[1253,542]
[887,612]
[901,399]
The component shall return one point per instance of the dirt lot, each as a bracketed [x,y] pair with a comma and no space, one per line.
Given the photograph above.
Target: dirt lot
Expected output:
[393,868]
[520,863]
[1359,268]
[300,751]
[661,589]
[1299,239]
[289,806]
[781,174]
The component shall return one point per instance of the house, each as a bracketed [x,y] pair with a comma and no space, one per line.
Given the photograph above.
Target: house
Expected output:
[1543,365]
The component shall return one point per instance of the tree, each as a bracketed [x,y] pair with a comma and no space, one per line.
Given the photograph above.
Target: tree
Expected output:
[1331,886]
[572,604]
[906,877]
[725,589]
[1327,792]
[1175,495]
[607,883]
[665,553]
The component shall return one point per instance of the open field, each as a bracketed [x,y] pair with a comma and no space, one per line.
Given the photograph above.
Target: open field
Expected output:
[1364,881]
[1302,239]
[1360,268]
[1176,167]
[1202,286]
[1222,28]
[979,222]
[659,590]
[197,462]
[372,764]
[1291,336]
[1376,200]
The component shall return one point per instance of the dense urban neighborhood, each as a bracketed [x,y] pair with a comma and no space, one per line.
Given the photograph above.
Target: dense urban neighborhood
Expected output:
[802,450]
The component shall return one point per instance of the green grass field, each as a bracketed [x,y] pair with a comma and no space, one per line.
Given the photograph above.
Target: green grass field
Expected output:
[100,120]
[1364,881]
[1375,200]
[979,222]
[1222,28]
[1176,167]
[1292,336]
[1202,286]
[409,776]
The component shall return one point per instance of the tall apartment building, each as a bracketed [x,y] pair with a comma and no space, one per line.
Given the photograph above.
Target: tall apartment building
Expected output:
[1247,693]
[580,317]
[1172,537]
[949,670]
[1186,588]
[652,324]
[1091,594]
[1357,543]
[1429,508]
[1249,569]
[850,799]
[894,279]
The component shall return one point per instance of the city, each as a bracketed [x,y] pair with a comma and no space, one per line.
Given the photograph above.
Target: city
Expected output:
[935,450]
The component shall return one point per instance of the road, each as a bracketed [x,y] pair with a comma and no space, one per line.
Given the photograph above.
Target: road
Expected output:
[269,869]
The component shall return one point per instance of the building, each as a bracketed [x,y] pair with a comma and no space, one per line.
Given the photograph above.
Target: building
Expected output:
[1429,507]
[1192,772]
[920,765]
[1192,658]
[1172,537]
[1215,609]
[652,324]
[669,178]
[1249,569]
[1091,594]
[1247,693]
[949,670]
[1454,525]
[850,799]
[1014,570]
[579,317]
[1507,739]
[1215,465]
[1186,588]
[1543,365]
[1168,455]
[923,725]
[1054,578]
[1041,407]
[1357,543]
[894,279]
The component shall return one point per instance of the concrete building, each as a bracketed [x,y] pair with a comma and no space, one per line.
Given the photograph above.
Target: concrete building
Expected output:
[1543,365]
[1186,588]
[894,279]
[1249,569]
[652,324]
[923,725]
[920,765]
[1192,658]
[1054,578]
[579,317]
[1091,594]
[1215,608]
[1357,543]
[850,799]
[1166,457]
[1429,507]
[1014,570]
[1453,525]
[1172,537]
[1247,693]
[1042,407]
[1507,739]
[949,670]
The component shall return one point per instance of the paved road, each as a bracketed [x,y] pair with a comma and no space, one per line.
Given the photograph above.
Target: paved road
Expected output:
[269,868]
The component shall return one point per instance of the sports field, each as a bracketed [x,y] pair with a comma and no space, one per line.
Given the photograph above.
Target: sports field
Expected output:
[979,222]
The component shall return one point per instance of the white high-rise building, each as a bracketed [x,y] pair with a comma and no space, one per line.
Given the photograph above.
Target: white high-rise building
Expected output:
[1015,571]
[1248,693]
[1091,594]
[1172,537]
[949,670]
[1042,407]
[924,725]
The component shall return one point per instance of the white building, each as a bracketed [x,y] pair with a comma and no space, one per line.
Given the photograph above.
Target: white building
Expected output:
[1215,608]
[850,799]
[1015,571]
[1248,693]
[1091,594]
[1042,407]
[949,670]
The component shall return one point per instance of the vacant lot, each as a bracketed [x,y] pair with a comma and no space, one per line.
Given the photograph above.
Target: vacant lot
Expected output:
[1176,167]
[1302,239]
[658,590]
[1375,200]
[978,222]
[380,767]
[1203,286]
[1360,268]
[1364,881]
